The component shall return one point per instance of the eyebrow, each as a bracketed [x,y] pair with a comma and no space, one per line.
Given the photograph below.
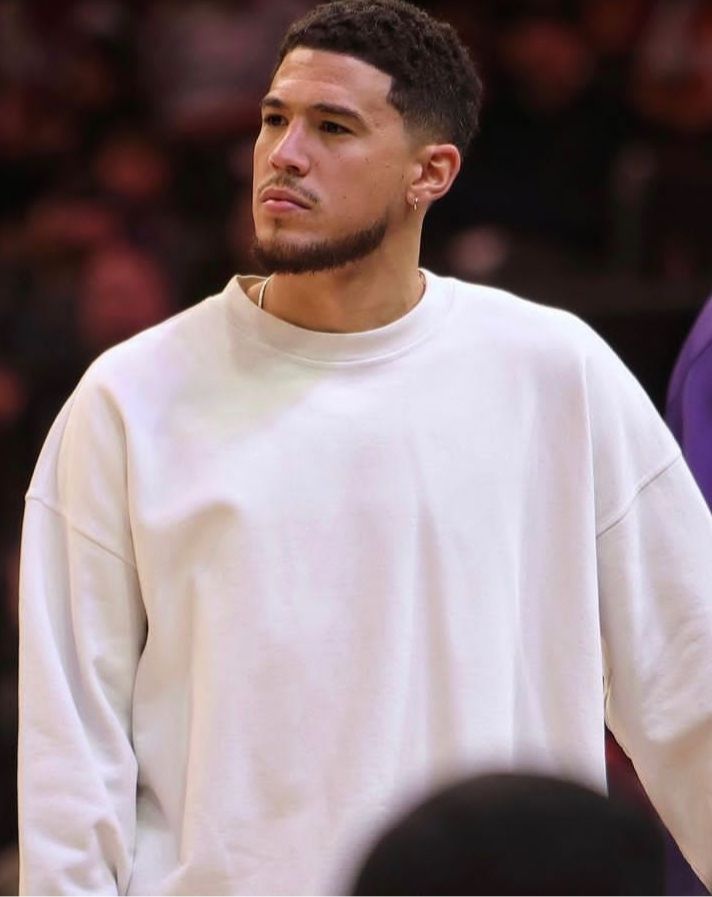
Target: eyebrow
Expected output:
[326,108]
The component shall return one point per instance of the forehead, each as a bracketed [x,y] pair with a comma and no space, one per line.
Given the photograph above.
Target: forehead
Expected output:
[317,76]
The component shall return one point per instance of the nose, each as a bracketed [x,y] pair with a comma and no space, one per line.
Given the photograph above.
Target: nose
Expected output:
[289,153]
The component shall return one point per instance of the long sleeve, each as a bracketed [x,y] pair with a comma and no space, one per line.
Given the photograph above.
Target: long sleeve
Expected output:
[82,628]
[655,571]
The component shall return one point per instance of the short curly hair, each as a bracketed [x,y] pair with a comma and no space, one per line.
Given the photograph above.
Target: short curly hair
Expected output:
[435,87]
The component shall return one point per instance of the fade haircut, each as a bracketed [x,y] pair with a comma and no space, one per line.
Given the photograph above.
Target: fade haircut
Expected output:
[435,84]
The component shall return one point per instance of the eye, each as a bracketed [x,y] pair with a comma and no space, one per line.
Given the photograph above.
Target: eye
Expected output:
[272,120]
[331,127]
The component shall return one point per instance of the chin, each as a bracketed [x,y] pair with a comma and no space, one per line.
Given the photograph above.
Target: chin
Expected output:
[305,254]
[283,232]
[280,246]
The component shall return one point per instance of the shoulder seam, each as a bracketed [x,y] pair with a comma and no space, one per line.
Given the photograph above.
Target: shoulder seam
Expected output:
[641,486]
[78,530]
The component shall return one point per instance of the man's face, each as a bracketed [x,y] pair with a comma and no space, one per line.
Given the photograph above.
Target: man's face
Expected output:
[330,164]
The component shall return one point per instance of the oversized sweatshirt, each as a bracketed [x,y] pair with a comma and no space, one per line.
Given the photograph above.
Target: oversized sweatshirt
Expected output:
[278,583]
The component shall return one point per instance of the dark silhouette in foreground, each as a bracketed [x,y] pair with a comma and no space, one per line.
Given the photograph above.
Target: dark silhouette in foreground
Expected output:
[516,834]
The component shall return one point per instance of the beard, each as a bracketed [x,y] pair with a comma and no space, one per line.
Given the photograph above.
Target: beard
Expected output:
[280,257]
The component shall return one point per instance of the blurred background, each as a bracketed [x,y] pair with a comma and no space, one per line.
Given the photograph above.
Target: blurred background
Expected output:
[126,131]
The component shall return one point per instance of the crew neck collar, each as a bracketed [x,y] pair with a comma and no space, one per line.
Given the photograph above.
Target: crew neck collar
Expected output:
[318,346]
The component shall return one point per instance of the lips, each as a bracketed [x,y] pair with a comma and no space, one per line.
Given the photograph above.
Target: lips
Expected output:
[277,197]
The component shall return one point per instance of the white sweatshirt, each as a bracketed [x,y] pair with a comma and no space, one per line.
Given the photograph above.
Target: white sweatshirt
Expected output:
[278,582]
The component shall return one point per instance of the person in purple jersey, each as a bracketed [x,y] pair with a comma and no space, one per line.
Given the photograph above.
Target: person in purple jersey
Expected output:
[689,414]
[689,400]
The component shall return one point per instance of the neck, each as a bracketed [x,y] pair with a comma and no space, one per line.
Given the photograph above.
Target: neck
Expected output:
[360,296]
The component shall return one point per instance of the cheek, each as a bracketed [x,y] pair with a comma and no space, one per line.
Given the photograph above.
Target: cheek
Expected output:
[388,172]
[382,188]
[370,182]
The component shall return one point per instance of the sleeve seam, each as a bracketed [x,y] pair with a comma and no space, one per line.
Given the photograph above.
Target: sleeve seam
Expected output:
[643,484]
[79,531]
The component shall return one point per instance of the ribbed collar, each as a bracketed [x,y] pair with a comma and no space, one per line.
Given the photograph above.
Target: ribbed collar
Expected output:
[317,346]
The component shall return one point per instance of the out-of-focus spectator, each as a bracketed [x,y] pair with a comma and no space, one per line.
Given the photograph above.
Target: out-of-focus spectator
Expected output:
[516,834]
[672,81]
[14,409]
[541,164]
[13,397]
[96,82]
[40,264]
[206,63]
[134,173]
[122,291]
[547,61]
[132,168]
[37,140]
[613,27]
[83,304]
[21,54]
[671,93]
[64,226]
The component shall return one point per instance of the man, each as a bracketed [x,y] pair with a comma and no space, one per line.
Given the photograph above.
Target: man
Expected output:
[328,539]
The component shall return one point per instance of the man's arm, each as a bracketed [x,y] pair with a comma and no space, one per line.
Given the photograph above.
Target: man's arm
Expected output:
[655,575]
[82,629]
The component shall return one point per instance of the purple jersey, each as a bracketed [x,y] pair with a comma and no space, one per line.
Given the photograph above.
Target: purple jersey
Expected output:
[689,400]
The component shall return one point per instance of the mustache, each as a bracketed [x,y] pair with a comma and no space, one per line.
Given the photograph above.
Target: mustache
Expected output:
[288,183]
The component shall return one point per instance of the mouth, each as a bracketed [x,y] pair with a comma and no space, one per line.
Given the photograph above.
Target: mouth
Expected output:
[281,206]
[279,201]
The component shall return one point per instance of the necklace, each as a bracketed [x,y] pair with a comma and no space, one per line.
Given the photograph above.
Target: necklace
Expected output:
[261,294]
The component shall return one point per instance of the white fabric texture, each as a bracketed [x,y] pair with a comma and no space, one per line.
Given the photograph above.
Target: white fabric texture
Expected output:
[277,583]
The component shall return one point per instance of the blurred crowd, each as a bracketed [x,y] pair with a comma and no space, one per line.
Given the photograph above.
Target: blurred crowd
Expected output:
[125,169]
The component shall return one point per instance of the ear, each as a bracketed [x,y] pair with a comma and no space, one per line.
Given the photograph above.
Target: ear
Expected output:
[437,167]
